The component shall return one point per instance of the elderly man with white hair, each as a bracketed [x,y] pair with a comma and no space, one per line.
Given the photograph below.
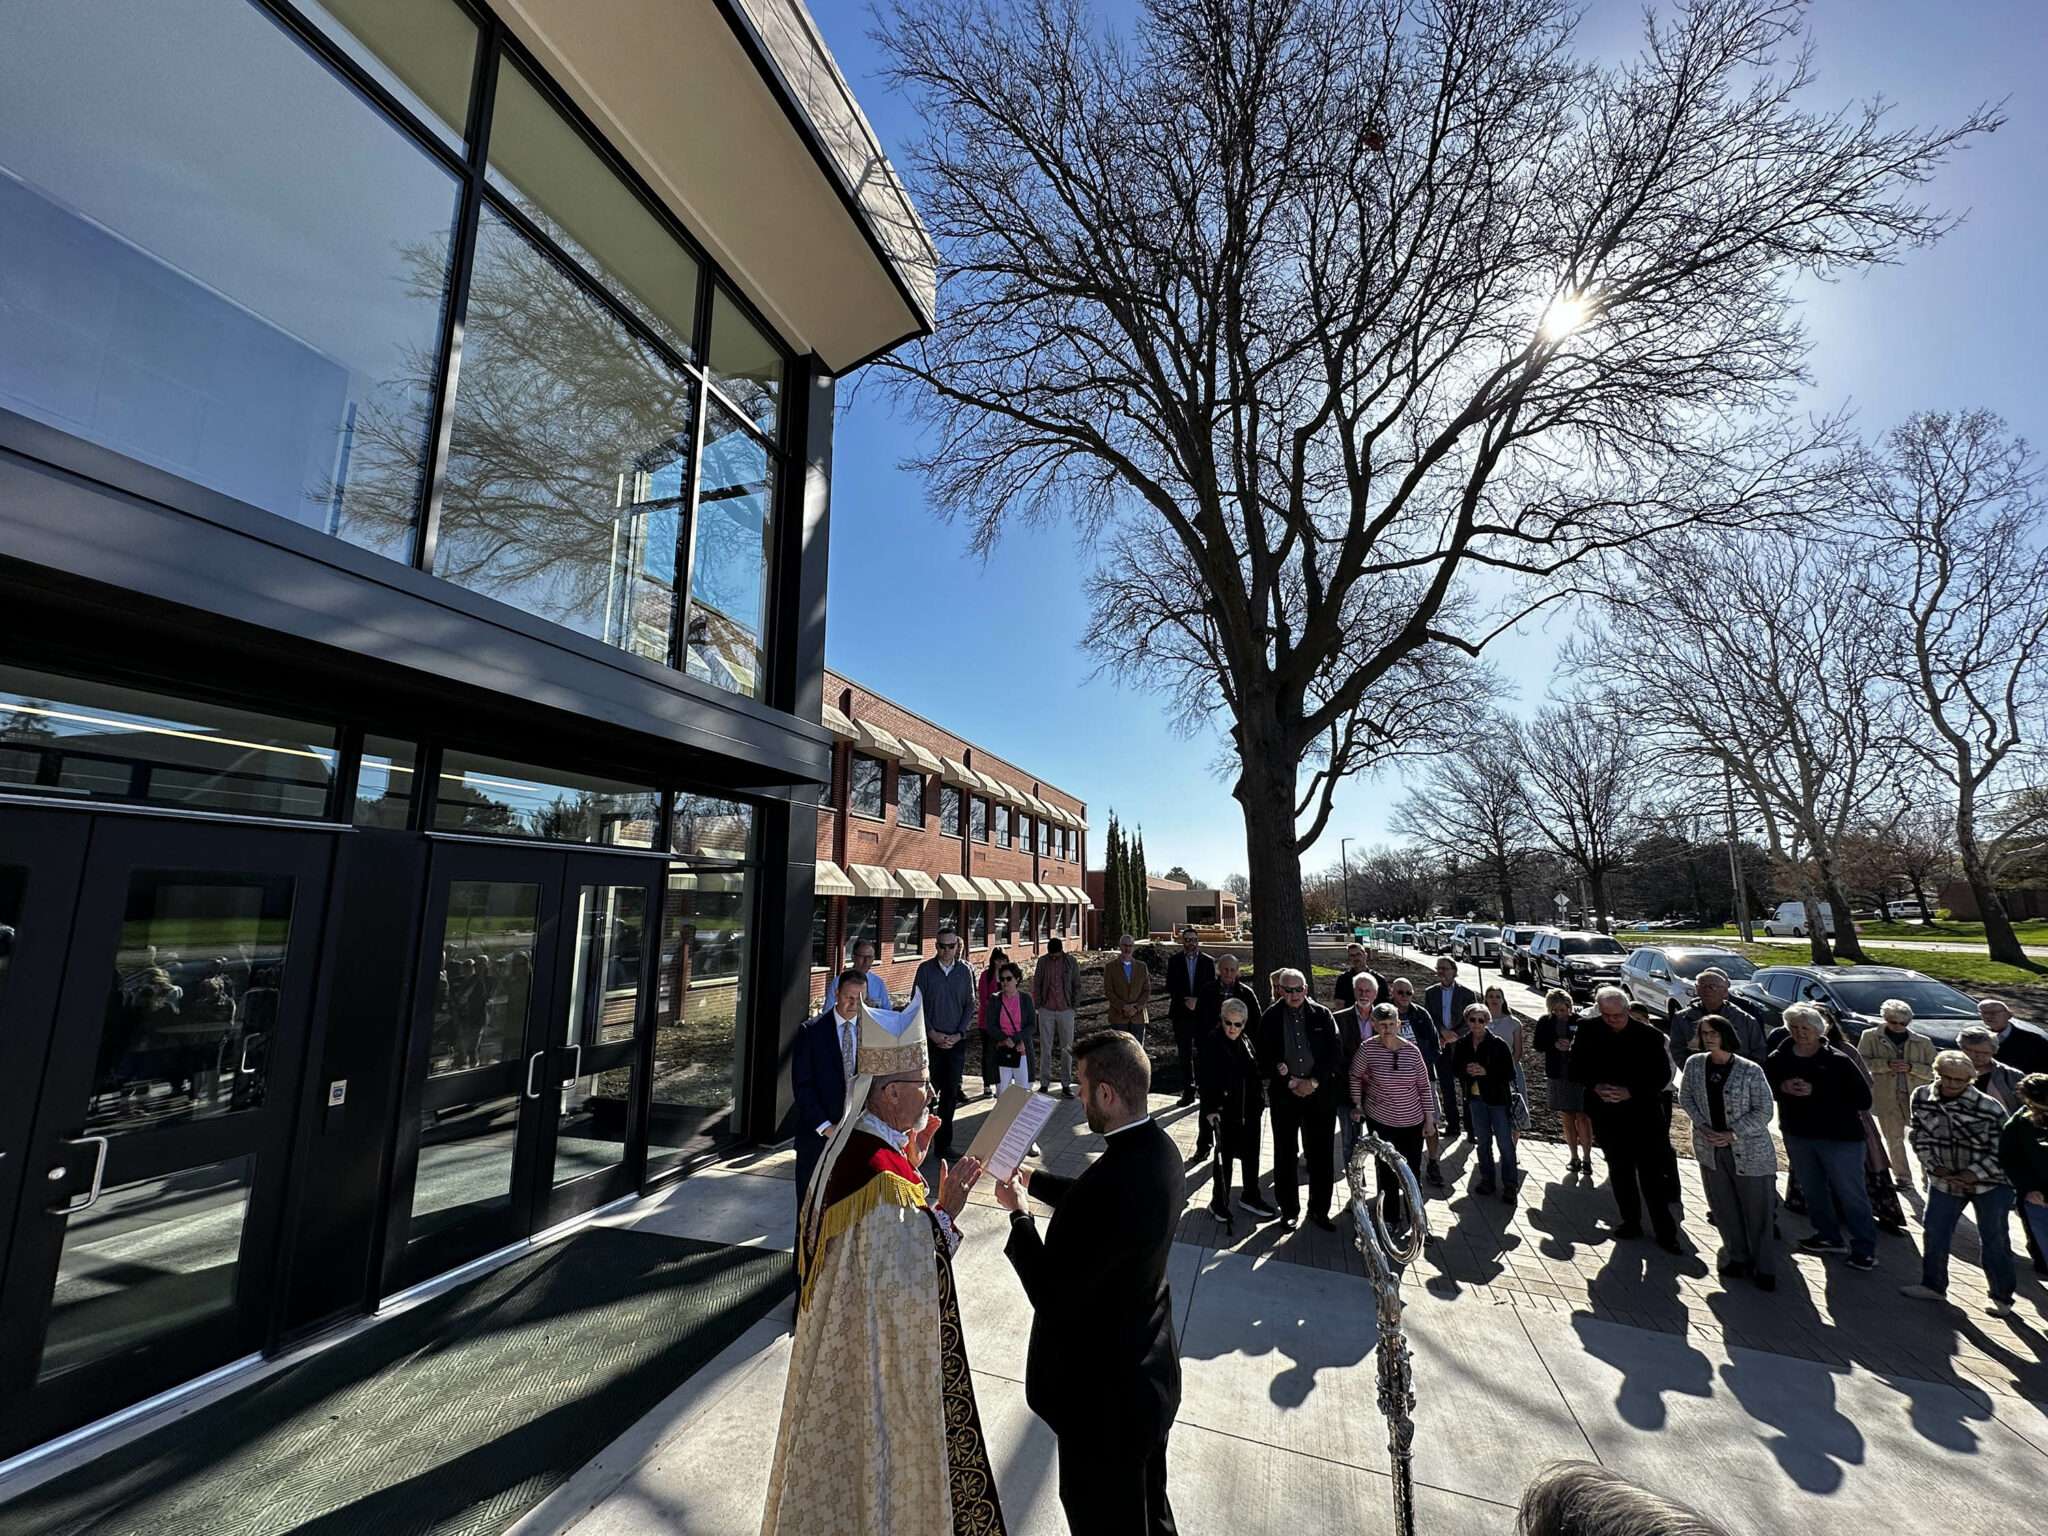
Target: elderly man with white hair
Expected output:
[1748,1024]
[1956,1131]
[1822,1095]
[1297,1048]
[2018,1045]
[1901,1060]
[1624,1065]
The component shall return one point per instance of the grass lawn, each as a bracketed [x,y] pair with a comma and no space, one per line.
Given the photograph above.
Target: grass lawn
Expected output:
[1968,971]
[2029,931]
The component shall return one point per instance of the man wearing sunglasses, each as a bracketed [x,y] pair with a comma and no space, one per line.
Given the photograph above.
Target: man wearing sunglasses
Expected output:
[952,1011]
[1297,1048]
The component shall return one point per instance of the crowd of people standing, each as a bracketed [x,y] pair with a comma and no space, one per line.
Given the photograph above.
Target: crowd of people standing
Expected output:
[1421,1071]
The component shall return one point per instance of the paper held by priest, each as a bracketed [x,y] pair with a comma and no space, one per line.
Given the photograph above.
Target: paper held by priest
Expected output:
[1010,1129]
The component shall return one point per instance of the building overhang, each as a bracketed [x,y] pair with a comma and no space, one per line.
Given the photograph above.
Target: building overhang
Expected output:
[734,112]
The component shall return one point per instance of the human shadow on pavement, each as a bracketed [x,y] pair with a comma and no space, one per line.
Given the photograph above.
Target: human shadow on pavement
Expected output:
[1650,1368]
[1290,1312]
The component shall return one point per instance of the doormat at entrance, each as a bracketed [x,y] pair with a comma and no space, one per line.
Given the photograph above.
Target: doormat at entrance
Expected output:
[454,1418]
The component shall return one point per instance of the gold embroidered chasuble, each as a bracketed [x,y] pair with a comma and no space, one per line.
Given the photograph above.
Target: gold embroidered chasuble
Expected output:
[879,1435]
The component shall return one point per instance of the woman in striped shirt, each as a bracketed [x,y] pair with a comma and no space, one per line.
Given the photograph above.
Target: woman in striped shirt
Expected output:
[1392,1094]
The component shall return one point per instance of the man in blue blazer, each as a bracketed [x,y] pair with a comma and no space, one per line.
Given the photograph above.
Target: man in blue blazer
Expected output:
[820,1072]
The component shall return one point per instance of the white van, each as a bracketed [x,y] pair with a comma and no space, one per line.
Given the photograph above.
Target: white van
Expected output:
[1789,921]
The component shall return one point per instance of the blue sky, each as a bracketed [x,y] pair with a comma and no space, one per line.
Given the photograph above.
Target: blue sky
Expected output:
[991,649]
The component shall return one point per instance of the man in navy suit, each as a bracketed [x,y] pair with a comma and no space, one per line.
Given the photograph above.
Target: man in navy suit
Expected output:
[820,1072]
[1445,1003]
[1188,975]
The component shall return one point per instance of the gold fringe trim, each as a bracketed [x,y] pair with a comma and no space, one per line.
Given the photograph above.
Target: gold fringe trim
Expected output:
[838,1220]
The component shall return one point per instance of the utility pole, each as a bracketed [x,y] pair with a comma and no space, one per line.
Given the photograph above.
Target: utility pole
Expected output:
[1735,862]
[1344,859]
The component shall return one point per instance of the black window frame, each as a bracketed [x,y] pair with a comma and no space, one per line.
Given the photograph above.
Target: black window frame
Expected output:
[469,161]
[955,825]
[1002,819]
[978,811]
[977,925]
[914,910]
[881,807]
[905,776]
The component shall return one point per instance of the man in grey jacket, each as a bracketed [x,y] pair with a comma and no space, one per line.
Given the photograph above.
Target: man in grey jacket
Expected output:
[946,985]
[1750,1028]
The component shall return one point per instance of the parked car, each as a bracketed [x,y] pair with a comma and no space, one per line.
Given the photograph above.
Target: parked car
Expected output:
[1663,976]
[1400,933]
[1906,909]
[1578,960]
[1477,942]
[1853,994]
[1514,949]
[1789,920]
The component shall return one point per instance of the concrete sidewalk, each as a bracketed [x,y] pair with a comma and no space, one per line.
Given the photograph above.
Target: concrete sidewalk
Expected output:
[1279,1429]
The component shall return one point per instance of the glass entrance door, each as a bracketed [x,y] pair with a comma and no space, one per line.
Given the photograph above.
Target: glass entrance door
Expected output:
[528,1019]
[147,1206]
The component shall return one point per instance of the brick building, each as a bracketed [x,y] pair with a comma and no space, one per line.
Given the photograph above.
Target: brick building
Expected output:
[923,831]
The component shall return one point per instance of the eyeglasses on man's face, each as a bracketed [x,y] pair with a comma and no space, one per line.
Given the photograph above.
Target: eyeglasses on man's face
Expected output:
[1293,991]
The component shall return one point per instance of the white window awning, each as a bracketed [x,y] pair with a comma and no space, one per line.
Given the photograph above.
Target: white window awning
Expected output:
[918,885]
[873,736]
[1038,892]
[837,723]
[831,880]
[989,782]
[987,889]
[921,759]
[959,773]
[1013,891]
[872,879]
[958,888]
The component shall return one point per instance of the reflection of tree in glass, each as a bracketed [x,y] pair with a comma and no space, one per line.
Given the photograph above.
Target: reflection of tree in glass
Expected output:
[711,828]
[571,439]
[730,561]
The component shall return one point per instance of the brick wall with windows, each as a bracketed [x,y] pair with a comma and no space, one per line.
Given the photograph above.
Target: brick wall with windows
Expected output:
[890,814]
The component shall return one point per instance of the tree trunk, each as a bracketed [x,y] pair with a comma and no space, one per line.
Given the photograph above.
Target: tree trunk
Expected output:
[1999,939]
[1847,945]
[1507,902]
[1597,880]
[1265,789]
[1816,930]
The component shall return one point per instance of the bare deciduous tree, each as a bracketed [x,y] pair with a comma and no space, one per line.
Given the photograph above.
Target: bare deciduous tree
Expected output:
[1582,782]
[1467,804]
[1955,503]
[1307,308]
[1753,657]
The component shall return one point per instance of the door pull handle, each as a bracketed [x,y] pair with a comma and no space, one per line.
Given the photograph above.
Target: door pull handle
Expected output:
[533,1065]
[99,1172]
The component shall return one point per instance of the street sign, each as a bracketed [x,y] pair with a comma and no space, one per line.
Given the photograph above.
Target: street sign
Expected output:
[1361,932]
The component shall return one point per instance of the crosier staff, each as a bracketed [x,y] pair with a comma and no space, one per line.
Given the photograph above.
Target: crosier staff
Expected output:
[1384,1260]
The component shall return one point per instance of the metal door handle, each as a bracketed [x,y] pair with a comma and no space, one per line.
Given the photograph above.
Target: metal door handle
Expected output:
[99,1172]
[532,1063]
[243,1066]
[577,1071]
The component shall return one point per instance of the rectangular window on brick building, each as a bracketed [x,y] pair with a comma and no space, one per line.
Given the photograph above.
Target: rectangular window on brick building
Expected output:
[909,929]
[821,951]
[1027,835]
[909,798]
[1024,928]
[949,810]
[864,786]
[863,921]
[1004,816]
[977,925]
[949,917]
[1044,924]
[1002,922]
[978,819]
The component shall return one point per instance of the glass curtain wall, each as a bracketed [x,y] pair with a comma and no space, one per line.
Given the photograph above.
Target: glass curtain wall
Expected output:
[700,1000]
[235,251]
